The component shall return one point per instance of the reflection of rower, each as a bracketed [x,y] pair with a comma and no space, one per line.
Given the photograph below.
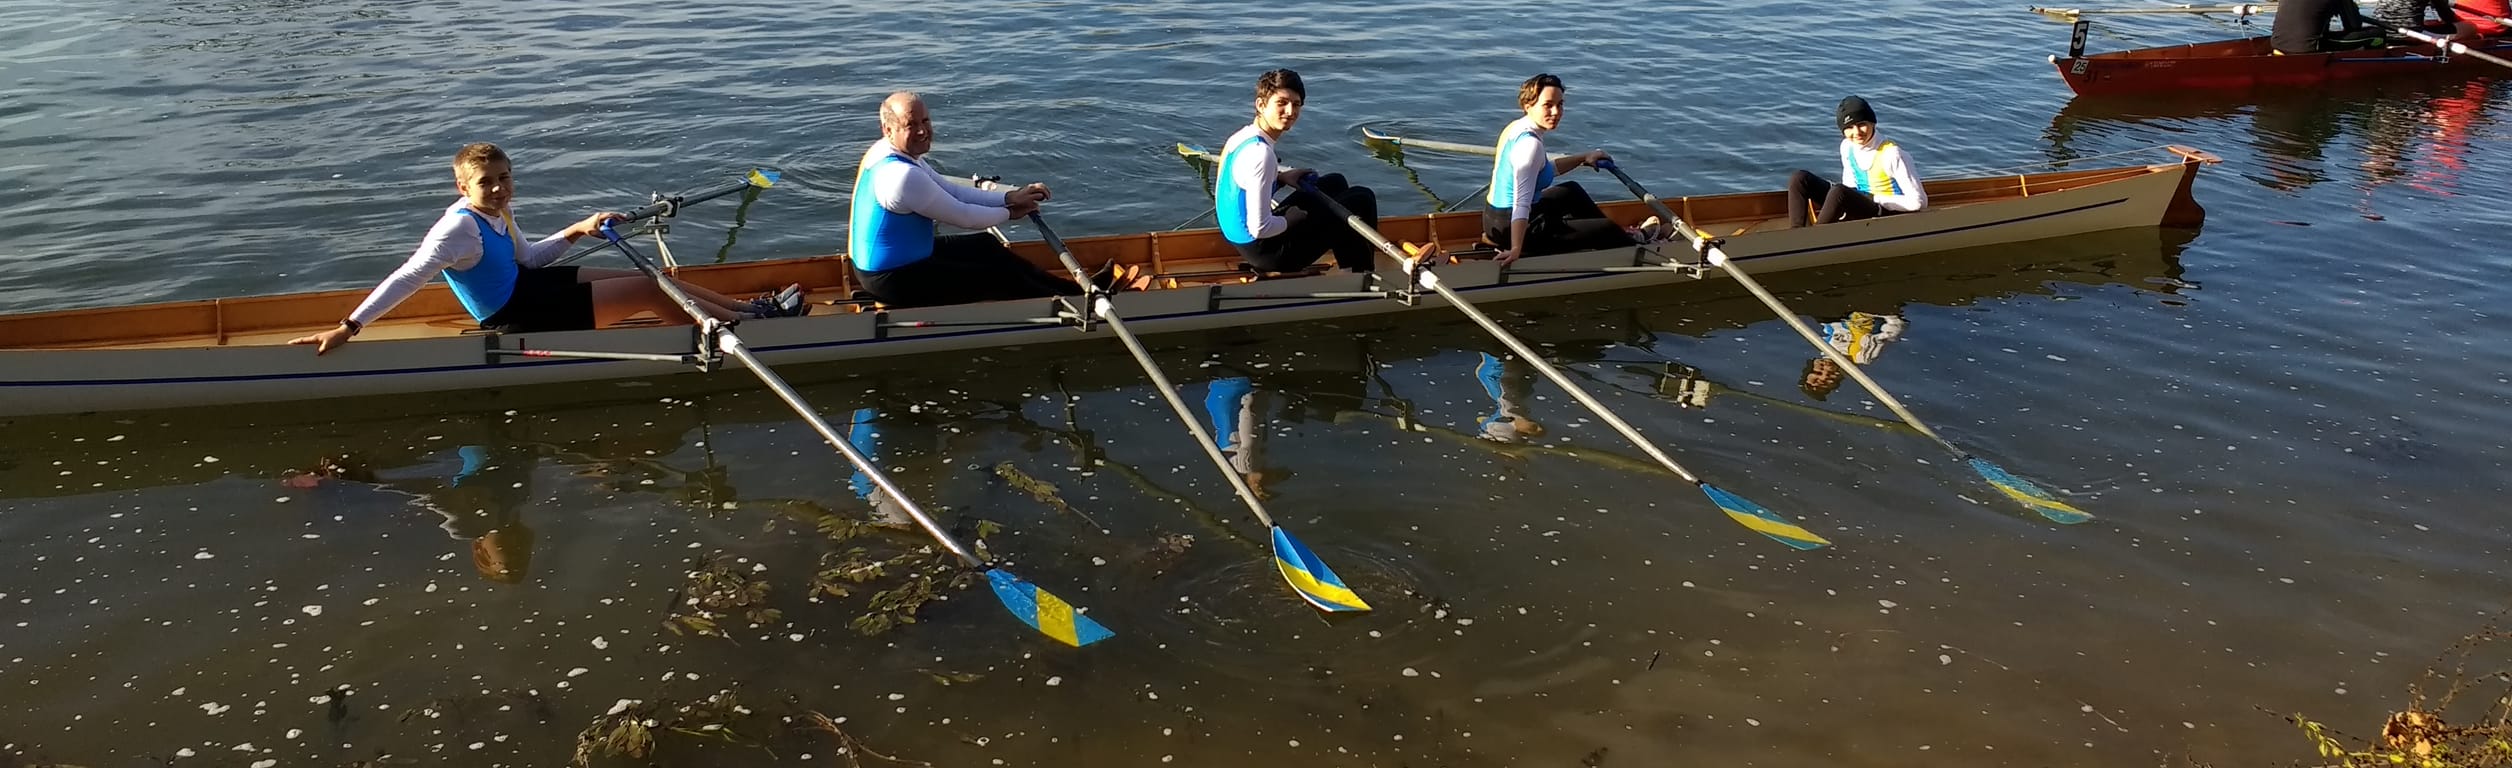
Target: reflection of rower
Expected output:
[1509,381]
[864,432]
[483,504]
[1860,338]
[1232,405]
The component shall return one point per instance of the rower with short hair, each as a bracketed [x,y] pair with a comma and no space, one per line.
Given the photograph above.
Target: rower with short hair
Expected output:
[1875,175]
[2302,26]
[510,286]
[898,200]
[1525,213]
[1306,227]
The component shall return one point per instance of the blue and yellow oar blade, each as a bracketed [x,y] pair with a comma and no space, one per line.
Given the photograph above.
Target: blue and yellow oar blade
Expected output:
[1310,577]
[1043,611]
[2029,495]
[1762,520]
[763,178]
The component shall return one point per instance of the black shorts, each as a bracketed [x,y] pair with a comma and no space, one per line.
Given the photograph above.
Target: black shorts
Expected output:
[545,299]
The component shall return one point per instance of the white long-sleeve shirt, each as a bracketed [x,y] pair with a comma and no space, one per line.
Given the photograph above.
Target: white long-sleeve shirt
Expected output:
[454,243]
[1253,171]
[1887,157]
[1529,169]
[917,189]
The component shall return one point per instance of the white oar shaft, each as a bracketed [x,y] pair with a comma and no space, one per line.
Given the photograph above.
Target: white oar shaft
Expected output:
[1431,280]
[2452,47]
[732,345]
[1106,311]
[1719,257]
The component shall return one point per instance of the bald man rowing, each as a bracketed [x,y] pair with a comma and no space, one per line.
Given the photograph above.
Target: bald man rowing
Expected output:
[899,199]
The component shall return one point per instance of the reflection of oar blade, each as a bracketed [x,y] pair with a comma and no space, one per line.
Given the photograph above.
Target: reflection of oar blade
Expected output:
[1043,611]
[1310,577]
[1762,520]
[2024,492]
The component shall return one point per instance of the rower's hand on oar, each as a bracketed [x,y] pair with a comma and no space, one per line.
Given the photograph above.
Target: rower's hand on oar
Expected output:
[592,224]
[1595,156]
[1505,256]
[1027,194]
[1296,177]
[325,341]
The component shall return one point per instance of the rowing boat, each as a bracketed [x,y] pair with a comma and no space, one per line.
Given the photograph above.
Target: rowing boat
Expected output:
[2246,63]
[228,351]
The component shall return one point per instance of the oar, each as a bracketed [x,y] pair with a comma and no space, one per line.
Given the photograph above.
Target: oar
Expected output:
[1041,610]
[2246,9]
[1308,576]
[2446,45]
[757,178]
[1743,510]
[2014,487]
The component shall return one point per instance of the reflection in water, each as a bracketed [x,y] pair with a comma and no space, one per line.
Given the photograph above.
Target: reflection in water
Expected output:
[483,504]
[1238,429]
[1509,382]
[2409,129]
[1860,337]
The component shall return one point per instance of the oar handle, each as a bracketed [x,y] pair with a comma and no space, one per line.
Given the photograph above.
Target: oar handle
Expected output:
[610,233]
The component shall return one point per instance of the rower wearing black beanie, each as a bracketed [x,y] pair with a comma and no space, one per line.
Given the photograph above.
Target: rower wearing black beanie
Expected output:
[1875,177]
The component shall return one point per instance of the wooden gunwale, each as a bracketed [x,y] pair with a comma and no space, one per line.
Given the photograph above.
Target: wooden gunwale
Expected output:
[268,320]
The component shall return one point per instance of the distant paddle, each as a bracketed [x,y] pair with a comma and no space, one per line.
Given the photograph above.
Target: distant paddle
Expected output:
[2016,488]
[1738,508]
[1308,576]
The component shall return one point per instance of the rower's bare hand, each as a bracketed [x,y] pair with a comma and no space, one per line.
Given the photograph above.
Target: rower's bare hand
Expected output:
[593,224]
[1593,157]
[1022,210]
[1028,195]
[1504,257]
[1294,214]
[325,341]
[1293,177]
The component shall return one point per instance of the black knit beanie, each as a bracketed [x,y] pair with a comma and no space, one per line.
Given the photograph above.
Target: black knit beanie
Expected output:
[1855,110]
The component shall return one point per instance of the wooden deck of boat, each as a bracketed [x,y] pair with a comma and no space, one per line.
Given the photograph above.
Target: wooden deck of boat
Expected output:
[433,312]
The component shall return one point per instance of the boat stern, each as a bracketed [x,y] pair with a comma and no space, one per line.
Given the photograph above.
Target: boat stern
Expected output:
[2184,210]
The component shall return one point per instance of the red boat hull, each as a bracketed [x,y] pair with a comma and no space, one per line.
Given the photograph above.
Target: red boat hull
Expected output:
[2249,63]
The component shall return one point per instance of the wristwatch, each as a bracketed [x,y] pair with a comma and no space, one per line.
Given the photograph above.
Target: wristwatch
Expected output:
[353,326]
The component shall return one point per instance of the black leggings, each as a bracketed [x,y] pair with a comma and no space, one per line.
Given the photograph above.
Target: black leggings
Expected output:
[1564,220]
[1841,202]
[964,269]
[1322,231]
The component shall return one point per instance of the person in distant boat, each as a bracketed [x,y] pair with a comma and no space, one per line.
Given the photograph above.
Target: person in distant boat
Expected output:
[2481,15]
[1860,338]
[510,286]
[899,199]
[1305,228]
[1525,213]
[2302,26]
[1875,176]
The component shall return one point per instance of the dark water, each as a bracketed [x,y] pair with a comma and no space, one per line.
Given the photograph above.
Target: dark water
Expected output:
[2288,423]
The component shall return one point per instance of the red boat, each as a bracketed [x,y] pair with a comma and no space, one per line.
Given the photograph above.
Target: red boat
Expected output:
[2246,63]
